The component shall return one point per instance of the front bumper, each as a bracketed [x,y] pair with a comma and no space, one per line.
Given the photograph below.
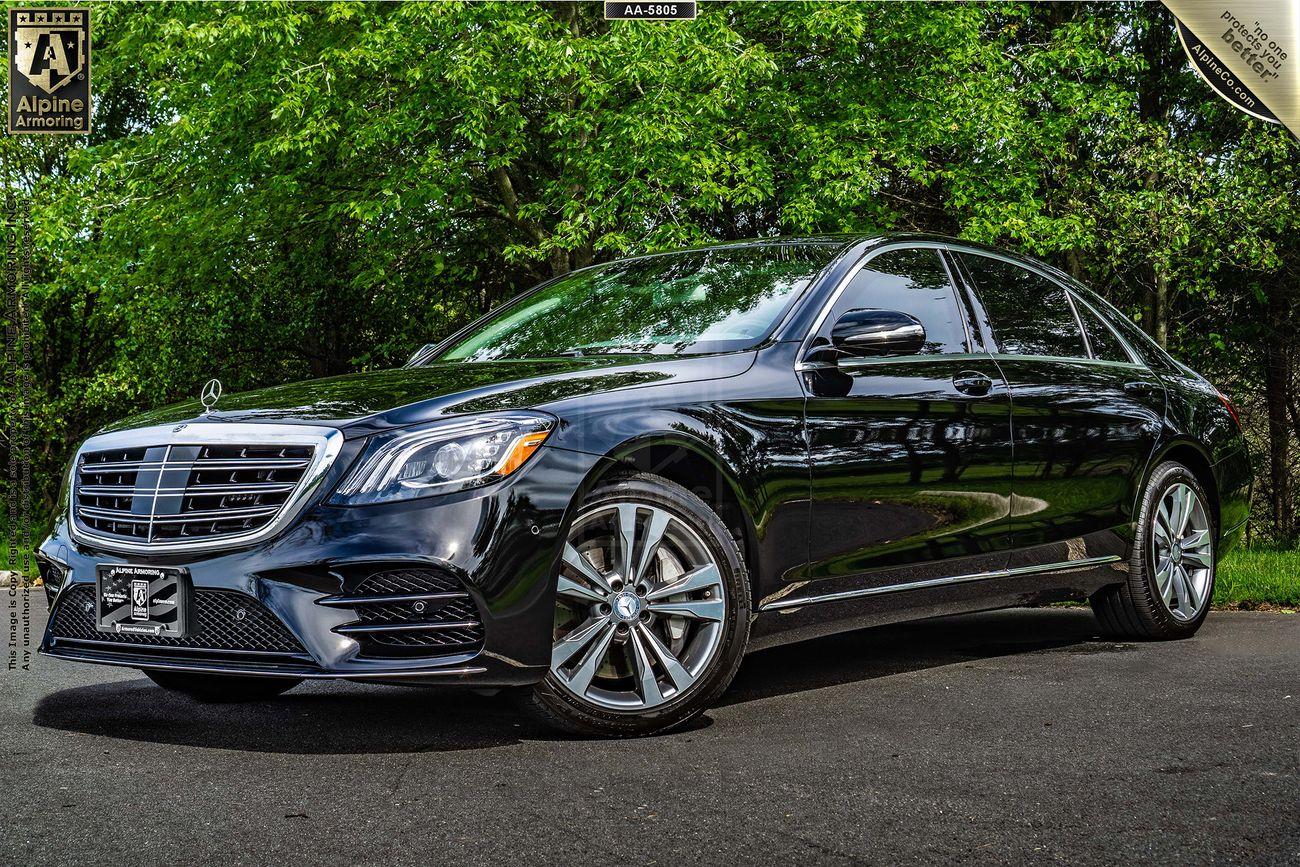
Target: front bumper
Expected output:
[500,544]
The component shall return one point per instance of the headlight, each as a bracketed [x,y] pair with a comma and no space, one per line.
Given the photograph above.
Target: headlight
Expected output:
[443,457]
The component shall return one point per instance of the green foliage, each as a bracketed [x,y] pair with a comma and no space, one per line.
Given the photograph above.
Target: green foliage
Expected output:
[1250,576]
[278,191]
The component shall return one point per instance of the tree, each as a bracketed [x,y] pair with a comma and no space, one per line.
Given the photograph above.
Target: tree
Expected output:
[281,191]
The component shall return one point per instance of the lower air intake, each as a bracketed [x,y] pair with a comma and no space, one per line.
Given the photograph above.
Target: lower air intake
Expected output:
[410,613]
[225,622]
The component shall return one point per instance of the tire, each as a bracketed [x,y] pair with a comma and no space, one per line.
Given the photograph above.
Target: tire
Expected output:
[1144,607]
[636,689]
[222,688]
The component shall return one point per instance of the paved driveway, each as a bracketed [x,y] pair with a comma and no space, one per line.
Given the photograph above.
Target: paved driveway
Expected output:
[1012,737]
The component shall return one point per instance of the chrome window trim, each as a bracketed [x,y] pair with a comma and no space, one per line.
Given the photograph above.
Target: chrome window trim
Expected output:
[857,363]
[326,441]
[957,299]
[1128,349]
[1067,359]
[1078,321]
[802,601]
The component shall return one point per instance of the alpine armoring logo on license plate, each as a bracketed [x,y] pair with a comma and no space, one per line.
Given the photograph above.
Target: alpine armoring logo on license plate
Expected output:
[139,599]
[49,70]
[142,600]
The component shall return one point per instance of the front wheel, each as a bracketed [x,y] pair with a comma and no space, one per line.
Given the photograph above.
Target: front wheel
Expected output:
[222,687]
[651,613]
[1171,573]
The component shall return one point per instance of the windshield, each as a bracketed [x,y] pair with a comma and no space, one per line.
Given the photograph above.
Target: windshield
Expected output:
[699,301]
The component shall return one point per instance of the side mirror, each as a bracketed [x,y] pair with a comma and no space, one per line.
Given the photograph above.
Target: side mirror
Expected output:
[420,354]
[872,332]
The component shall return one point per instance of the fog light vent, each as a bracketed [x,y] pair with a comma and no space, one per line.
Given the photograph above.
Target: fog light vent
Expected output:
[410,612]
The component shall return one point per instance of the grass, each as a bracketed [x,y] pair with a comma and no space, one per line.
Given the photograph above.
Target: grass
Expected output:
[1256,577]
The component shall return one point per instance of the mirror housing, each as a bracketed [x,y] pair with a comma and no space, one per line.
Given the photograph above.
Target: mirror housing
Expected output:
[870,333]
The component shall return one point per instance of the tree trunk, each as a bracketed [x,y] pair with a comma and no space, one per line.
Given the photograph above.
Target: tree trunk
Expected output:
[1154,318]
[1277,378]
[1160,309]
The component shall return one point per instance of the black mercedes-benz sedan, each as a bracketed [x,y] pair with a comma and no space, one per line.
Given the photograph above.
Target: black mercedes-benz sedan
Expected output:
[602,494]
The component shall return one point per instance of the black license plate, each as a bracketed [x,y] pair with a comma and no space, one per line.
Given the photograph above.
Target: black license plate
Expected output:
[142,600]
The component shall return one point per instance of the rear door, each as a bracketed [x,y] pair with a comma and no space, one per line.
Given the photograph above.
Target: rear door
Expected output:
[911,455]
[1085,416]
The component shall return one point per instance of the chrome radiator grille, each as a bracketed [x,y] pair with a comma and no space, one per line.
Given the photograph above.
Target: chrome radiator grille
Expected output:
[191,492]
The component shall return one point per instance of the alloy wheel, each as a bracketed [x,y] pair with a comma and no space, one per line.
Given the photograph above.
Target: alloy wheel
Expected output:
[1182,549]
[640,607]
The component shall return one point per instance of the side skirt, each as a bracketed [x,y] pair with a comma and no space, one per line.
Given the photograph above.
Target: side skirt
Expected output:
[788,620]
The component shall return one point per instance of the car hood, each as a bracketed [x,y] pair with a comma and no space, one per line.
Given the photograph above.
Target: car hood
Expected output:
[361,403]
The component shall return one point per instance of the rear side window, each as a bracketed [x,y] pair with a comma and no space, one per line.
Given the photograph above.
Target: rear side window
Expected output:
[1105,345]
[1029,314]
[913,282]
[1146,348]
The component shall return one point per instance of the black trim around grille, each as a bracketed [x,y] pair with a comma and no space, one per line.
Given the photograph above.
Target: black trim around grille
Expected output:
[220,627]
[410,612]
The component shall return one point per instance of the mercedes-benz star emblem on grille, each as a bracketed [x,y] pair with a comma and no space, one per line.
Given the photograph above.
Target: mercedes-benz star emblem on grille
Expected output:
[210,395]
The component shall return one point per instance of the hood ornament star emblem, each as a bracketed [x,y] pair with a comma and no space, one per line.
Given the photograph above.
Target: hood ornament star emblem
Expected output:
[210,394]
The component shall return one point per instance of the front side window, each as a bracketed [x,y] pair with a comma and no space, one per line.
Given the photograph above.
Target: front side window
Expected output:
[910,281]
[1029,314]
[715,300]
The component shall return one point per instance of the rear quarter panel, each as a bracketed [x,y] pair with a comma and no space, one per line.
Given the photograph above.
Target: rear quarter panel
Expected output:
[1196,416]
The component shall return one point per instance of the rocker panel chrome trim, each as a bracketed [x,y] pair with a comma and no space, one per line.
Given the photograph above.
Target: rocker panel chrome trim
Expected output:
[938,582]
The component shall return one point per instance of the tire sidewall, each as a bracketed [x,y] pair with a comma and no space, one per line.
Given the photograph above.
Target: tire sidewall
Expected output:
[1166,476]
[644,489]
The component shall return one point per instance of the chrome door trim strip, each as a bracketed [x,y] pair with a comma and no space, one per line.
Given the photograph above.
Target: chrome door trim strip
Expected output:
[326,441]
[938,582]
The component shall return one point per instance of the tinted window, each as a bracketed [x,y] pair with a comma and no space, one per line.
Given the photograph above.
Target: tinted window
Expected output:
[913,282]
[698,301]
[1105,345]
[1141,343]
[1030,314]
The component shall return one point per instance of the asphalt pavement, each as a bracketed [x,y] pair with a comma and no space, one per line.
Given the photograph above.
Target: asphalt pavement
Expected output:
[1016,737]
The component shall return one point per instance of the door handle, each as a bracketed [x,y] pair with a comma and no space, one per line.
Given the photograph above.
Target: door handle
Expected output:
[973,383]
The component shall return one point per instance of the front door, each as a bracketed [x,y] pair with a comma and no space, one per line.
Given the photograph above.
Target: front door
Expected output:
[910,455]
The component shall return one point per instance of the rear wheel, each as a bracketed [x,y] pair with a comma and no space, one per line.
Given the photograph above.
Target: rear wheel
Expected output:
[1171,573]
[651,613]
[222,687]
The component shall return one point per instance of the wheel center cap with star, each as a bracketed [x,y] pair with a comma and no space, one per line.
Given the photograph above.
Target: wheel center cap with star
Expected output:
[626,606]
